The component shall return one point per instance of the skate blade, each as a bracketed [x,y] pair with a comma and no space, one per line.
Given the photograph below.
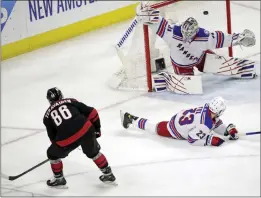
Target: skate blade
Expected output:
[111,183]
[122,117]
[59,187]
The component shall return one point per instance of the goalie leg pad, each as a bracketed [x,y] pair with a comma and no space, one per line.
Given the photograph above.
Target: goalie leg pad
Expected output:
[162,129]
[229,66]
[179,84]
[159,83]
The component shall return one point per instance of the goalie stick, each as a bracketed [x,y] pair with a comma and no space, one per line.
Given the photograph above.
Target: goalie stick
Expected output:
[134,22]
[11,178]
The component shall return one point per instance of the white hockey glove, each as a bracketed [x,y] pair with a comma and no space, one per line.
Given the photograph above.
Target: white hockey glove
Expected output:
[232,132]
[147,15]
[246,38]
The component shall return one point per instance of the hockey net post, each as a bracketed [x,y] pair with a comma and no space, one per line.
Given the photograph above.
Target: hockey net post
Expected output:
[147,43]
[147,56]
[229,26]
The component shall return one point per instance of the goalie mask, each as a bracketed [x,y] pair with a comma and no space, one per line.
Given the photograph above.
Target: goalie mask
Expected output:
[217,106]
[54,94]
[189,29]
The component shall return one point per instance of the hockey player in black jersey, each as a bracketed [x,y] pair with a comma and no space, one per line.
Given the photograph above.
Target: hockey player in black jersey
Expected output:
[70,124]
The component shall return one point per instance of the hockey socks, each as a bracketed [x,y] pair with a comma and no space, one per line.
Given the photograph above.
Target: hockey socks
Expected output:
[142,123]
[100,161]
[145,124]
[57,168]
[159,128]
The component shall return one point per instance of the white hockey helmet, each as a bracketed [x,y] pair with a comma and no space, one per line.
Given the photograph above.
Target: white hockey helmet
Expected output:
[217,106]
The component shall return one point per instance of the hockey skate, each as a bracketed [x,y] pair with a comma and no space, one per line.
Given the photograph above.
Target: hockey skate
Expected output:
[107,176]
[127,119]
[59,182]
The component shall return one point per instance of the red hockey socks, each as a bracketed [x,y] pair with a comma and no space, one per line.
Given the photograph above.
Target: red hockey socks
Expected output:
[57,167]
[101,161]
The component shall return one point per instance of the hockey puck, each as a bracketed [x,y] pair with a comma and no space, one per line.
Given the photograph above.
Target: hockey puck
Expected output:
[205,12]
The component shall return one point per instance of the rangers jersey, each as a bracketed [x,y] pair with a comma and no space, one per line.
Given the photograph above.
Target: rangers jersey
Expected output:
[189,54]
[194,125]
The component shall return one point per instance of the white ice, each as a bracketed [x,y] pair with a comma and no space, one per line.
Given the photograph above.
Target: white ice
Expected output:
[143,164]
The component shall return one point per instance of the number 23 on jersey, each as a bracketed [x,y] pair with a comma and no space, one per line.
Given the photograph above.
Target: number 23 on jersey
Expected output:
[188,116]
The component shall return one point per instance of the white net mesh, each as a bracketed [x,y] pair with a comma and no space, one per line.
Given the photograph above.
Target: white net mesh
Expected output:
[132,76]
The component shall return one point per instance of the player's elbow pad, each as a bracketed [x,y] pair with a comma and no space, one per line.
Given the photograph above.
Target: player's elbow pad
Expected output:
[93,116]
[97,124]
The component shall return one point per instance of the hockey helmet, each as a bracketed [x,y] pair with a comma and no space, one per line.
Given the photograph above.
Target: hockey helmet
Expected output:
[54,94]
[217,106]
[189,29]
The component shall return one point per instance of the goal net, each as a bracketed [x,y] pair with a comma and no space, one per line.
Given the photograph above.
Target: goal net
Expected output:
[141,51]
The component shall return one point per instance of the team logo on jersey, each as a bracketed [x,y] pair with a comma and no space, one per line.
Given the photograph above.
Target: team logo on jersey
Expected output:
[6,9]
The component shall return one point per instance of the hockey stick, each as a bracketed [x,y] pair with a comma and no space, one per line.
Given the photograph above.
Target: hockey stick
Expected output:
[250,133]
[11,178]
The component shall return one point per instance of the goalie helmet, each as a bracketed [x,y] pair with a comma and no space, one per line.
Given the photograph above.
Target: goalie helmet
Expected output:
[217,106]
[54,94]
[189,29]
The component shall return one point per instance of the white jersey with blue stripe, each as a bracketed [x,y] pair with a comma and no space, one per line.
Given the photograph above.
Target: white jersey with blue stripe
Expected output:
[194,125]
[189,54]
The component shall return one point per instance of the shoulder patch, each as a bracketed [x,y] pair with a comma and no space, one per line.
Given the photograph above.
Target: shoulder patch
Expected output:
[206,32]
[203,33]
[177,30]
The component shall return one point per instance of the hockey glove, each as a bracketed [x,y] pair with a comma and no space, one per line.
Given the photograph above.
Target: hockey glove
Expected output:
[214,140]
[98,133]
[147,15]
[246,38]
[232,131]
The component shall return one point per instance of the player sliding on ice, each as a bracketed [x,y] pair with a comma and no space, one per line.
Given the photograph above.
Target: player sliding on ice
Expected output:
[194,125]
[190,53]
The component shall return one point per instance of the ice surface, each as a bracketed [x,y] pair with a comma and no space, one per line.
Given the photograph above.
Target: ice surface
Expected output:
[143,164]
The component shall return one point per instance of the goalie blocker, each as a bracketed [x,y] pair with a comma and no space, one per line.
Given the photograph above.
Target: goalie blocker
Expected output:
[215,64]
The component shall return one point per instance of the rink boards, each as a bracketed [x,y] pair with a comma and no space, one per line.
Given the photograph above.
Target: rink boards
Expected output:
[29,25]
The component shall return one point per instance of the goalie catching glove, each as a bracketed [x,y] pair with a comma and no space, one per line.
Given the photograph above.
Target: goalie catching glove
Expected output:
[232,131]
[146,14]
[246,38]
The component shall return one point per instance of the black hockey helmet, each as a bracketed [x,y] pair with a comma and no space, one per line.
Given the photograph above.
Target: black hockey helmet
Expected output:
[54,94]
